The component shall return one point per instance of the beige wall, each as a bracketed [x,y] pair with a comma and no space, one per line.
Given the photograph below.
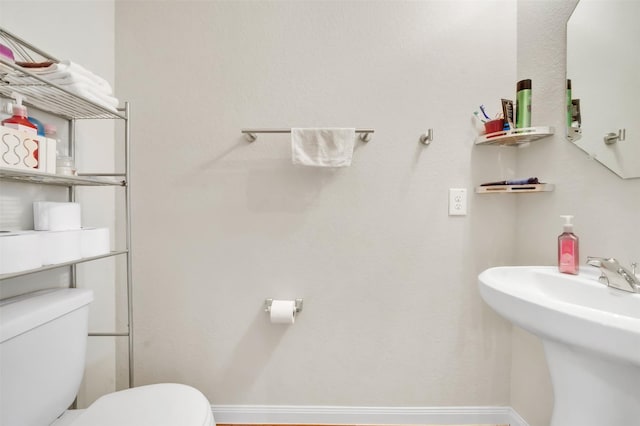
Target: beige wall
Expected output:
[392,314]
[605,206]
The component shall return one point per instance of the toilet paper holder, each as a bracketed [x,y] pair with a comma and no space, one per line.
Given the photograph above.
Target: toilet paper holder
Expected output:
[268,302]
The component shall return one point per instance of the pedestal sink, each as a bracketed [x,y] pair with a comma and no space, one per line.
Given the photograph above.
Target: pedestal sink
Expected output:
[591,337]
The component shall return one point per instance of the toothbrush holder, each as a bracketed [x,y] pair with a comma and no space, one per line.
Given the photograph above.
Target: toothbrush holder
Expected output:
[494,126]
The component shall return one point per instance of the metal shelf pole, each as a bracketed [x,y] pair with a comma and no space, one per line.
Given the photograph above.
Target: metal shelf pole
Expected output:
[127,188]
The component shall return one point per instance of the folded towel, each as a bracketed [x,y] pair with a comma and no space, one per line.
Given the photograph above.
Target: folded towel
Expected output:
[90,91]
[66,68]
[322,147]
[76,79]
[62,78]
[103,100]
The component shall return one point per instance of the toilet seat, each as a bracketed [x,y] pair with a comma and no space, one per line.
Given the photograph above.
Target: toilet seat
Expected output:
[166,404]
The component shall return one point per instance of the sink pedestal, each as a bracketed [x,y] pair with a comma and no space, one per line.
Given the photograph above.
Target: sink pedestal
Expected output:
[591,337]
[590,389]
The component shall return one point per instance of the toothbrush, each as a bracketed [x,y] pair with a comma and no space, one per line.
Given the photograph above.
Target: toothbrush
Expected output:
[477,114]
[484,112]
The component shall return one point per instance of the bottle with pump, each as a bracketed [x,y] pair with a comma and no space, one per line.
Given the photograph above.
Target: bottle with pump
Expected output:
[39,125]
[568,253]
[19,120]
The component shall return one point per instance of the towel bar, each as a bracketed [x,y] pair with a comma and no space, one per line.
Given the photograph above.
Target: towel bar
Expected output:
[365,134]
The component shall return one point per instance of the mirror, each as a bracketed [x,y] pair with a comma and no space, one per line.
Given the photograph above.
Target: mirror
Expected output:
[603,63]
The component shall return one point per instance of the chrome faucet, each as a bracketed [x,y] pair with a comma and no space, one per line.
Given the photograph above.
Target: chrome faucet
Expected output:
[615,275]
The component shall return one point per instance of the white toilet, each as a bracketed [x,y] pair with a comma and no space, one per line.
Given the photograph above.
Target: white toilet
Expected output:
[43,339]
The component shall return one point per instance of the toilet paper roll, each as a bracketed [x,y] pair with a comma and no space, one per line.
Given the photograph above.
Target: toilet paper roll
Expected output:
[19,251]
[283,312]
[94,242]
[60,246]
[52,216]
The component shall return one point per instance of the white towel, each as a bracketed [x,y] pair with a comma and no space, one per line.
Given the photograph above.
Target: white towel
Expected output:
[79,81]
[322,147]
[62,78]
[90,93]
[66,69]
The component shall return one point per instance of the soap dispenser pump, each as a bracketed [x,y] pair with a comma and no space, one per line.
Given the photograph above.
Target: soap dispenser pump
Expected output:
[568,253]
[19,120]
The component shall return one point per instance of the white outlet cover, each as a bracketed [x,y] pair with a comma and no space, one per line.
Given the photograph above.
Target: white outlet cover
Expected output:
[457,201]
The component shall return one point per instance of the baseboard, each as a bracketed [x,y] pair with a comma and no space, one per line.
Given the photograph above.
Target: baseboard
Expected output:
[294,414]
[516,419]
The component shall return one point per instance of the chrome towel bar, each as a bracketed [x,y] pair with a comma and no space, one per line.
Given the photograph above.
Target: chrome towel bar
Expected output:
[251,134]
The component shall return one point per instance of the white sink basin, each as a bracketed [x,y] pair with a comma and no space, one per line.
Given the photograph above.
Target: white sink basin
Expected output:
[591,336]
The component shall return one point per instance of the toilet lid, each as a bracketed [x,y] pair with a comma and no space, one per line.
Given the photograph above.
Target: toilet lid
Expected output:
[165,404]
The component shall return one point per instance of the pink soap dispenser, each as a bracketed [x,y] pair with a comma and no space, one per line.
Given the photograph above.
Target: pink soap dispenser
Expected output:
[568,253]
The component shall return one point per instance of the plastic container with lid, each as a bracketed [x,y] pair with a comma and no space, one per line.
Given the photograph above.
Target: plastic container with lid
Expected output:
[66,166]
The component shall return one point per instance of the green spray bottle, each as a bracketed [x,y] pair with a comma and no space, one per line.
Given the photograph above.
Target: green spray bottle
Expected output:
[569,105]
[523,104]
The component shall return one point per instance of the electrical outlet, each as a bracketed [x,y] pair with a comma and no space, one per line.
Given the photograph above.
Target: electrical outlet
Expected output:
[457,201]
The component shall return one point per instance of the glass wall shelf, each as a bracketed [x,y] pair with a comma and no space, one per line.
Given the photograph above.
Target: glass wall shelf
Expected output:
[515,137]
[515,189]
[574,134]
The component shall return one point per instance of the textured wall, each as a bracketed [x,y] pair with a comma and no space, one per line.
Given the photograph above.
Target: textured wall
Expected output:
[605,206]
[392,314]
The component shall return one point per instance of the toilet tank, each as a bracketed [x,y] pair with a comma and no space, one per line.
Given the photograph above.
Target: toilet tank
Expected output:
[43,339]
